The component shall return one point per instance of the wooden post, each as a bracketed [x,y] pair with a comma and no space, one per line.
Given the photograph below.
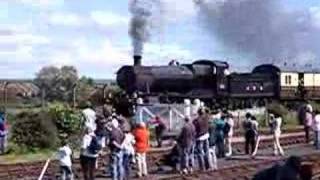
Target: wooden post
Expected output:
[170,118]
[43,94]
[44,169]
[5,97]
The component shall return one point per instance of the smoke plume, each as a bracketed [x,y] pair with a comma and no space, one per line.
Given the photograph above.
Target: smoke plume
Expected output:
[141,22]
[263,29]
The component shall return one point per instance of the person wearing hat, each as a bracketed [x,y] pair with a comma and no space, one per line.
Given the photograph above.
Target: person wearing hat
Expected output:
[275,122]
[141,134]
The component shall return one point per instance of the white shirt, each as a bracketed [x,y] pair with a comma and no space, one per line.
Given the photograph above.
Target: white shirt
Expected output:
[86,140]
[277,128]
[128,143]
[230,121]
[316,123]
[90,118]
[204,137]
[64,156]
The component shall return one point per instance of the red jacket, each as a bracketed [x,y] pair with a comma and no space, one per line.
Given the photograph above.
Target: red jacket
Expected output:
[141,135]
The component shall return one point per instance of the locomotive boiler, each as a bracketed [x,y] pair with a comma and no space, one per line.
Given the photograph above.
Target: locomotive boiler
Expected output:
[201,79]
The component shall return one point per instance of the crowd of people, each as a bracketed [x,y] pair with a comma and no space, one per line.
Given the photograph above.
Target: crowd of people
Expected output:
[204,137]
[113,134]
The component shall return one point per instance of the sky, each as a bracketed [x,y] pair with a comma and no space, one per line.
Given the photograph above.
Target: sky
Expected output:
[92,35]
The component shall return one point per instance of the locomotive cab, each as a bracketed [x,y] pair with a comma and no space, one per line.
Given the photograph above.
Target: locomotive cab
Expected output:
[215,77]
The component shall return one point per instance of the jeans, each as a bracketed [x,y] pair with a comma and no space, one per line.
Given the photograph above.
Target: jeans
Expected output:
[117,172]
[250,141]
[202,149]
[220,147]
[317,139]
[213,158]
[142,164]
[307,133]
[2,144]
[66,173]
[126,165]
[187,158]
[88,165]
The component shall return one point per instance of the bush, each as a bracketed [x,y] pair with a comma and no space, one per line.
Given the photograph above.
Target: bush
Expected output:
[277,108]
[289,117]
[66,119]
[34,130]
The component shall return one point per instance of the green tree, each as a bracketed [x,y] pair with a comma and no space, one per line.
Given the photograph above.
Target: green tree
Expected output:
[57,83]
[84,90]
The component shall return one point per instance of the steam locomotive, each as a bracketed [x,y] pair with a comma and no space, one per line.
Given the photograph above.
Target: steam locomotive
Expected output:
[211,80]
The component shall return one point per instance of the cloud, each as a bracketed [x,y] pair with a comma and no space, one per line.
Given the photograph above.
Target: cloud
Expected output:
[315,15]
[105,18]
[66,19]
[41,3]
[176,10]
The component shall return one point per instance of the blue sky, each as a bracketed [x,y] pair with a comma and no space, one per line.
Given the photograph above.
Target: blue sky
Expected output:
[93,36]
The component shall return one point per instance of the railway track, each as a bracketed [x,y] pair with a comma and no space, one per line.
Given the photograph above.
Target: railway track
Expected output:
[32,170]
[247,170]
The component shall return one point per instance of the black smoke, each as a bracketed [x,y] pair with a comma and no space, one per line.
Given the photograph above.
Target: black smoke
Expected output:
[264,29]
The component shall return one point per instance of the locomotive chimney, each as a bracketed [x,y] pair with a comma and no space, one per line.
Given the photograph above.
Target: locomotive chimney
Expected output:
[137,60]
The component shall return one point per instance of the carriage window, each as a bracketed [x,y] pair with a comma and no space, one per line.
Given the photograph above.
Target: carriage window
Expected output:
[288,79]
[254,88]
[214,70]
[261,87]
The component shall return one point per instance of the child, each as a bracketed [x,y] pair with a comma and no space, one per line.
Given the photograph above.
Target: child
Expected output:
[128,149]
[64,157]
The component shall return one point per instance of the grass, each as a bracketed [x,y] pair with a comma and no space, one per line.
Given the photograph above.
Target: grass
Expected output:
[14,158]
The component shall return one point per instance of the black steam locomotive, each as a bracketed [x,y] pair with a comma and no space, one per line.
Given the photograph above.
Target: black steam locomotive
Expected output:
[211,80]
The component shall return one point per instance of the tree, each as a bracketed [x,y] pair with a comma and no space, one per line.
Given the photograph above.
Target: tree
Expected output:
[85,89]
[57,83]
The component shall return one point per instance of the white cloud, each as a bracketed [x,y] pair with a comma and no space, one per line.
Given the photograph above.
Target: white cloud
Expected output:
[315,15]
[165,52]
[107,54]
[66,19]
[105,18]
[42,3]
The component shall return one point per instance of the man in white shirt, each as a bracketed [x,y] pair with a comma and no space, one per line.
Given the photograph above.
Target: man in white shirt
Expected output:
[229,136]
[316,128]
[275,124]
[89,117]
[88,158]
[64,156]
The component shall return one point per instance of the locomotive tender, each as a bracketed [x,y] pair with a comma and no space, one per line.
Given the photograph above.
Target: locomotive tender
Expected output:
[211,80]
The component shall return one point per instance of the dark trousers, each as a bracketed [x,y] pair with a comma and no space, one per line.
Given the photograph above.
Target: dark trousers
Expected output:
[202,151]
[127,165]
[186,157]
[220,147]
[66,173]
[159,136]
[88,165]
[307,133]
[250,143]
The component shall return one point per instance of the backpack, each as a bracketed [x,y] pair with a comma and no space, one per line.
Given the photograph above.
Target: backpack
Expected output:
[226,128]
[95,146]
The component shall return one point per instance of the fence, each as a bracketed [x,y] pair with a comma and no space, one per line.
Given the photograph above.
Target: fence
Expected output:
[173,114]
